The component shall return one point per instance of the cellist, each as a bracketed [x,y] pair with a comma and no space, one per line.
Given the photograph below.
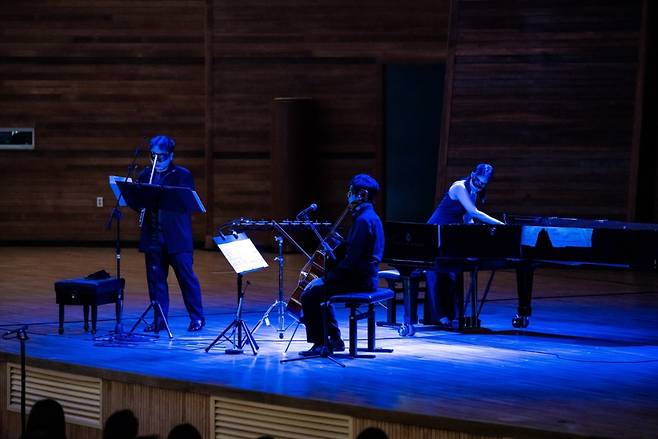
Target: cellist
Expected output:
[355,271]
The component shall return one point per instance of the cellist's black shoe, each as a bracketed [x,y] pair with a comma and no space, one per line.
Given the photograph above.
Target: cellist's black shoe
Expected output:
[196,325]
[336,344]
[520,321]
[316,349]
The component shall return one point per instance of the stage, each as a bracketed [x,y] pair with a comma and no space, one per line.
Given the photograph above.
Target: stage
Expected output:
[586,366]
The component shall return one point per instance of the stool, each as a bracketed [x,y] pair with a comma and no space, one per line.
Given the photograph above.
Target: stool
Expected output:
[88,293]
[353,301]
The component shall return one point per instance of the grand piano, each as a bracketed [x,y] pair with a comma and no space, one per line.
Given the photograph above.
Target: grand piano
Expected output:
[523,244]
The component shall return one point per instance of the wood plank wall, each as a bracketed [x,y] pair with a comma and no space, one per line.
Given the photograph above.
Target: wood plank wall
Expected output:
[94,79]
[98,78]
[546,91]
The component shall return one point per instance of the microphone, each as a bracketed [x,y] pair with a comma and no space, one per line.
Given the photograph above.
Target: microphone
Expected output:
[312,208]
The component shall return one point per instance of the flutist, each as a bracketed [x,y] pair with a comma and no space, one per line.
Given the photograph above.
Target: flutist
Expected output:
[166,239]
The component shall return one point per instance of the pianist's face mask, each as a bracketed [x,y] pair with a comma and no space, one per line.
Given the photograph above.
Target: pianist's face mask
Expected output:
[479,182]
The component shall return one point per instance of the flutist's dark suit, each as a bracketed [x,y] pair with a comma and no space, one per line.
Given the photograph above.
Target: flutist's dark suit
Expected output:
[166,239]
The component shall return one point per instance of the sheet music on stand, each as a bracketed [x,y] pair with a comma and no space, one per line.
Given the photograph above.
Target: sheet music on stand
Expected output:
[240,252]
[115,188]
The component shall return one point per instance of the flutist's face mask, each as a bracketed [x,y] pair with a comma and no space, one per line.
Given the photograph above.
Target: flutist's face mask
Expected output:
[161,156]
[163,159]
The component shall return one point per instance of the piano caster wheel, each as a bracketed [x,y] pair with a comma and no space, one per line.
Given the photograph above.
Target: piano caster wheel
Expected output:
[406,330]
[520,321]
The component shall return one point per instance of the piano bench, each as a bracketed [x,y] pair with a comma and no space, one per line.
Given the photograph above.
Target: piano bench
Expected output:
[353,301]
[88,293]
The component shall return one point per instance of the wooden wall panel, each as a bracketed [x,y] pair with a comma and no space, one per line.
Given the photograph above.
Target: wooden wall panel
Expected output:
[343,29]
[102,30]
[95,80]
[545,90]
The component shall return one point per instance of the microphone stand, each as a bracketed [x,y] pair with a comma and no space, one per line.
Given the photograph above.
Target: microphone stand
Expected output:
[280,304]
[21,335]
[116,215]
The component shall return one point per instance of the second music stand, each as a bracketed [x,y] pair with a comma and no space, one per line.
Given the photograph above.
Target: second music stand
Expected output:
[244,258]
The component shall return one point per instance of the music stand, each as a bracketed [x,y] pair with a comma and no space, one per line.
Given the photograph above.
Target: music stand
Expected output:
[152,196]
[116,215]
[244,258]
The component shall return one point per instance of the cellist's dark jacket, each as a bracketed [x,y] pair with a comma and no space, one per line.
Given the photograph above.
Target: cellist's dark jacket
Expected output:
[364,250]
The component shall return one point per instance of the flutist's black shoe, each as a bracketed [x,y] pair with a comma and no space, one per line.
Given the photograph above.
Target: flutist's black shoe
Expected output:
[196,325]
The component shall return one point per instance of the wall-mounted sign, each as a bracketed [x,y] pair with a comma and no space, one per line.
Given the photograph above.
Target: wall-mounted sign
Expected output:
[16,138]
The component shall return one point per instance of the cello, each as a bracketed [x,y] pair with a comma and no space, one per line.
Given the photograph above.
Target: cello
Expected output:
[315,266]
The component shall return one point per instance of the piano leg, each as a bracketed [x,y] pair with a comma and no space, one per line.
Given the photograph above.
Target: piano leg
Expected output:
[524,280]
[472,320]
[410,287]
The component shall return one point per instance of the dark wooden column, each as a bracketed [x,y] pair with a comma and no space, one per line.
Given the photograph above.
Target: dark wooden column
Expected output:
[292,156]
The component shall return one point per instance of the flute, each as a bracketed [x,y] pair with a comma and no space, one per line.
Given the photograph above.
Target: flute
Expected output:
[143,211]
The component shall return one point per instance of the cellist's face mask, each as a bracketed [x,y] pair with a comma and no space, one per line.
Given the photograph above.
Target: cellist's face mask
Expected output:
[358,197]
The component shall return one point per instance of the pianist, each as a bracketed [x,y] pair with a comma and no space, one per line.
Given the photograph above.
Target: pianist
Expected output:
[458,206]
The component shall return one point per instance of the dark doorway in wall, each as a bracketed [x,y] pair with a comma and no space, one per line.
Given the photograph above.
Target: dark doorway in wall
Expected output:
[413,103]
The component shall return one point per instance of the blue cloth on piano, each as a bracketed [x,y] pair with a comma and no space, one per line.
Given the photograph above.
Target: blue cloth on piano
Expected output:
[559,236]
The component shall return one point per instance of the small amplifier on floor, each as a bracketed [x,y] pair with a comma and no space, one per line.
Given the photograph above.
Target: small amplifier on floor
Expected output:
[96,289]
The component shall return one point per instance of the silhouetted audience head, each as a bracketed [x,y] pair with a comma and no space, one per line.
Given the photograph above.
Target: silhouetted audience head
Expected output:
[372,433]
[184,431]
[46,416]
[121,424]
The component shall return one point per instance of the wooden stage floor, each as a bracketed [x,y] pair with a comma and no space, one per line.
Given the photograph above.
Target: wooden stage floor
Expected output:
[587,365]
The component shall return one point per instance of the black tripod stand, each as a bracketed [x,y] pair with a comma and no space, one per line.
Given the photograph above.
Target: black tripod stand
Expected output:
[325,352]
[238,328]
[279,304]
[158,316]
[116,215]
